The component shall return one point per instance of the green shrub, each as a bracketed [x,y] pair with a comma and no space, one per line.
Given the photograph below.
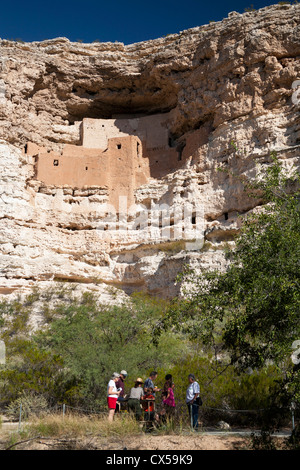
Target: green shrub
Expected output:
[222,393]
[72,358]
[28,404]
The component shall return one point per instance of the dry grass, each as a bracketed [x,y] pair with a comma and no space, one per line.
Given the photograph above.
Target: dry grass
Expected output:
[76,432]
[71,431]
[78,426]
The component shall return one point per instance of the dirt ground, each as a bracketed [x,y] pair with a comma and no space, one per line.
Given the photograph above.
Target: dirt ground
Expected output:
[146,442]
[198,441]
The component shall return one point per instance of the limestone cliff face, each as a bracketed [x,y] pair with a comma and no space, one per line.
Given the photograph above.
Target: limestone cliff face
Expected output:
[231,81]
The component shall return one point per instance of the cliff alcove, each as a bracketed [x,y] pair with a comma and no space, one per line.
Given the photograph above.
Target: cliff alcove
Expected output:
[176,104]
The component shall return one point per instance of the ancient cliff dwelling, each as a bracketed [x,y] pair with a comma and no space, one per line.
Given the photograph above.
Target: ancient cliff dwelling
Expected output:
[83,124]
[118,154]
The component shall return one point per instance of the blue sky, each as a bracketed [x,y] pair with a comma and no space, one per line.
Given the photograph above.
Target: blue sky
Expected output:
[127,21]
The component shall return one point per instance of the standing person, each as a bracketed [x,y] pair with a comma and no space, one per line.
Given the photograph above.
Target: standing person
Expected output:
[112,395]
[192,394]
[168,382]
[121,385]
[168,397]
[134,401]
[149,382]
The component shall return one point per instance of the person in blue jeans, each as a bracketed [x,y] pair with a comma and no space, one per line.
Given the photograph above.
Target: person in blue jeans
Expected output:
[192,393]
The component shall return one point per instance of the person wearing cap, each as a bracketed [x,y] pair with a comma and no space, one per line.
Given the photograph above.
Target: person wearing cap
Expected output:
[134,401]
[112,395]
[120,385]
[192,394]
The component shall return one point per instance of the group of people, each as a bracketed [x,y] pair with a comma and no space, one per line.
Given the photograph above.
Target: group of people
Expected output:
[143,395]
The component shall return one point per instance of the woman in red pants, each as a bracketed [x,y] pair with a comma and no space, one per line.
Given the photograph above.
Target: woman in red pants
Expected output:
[112,395]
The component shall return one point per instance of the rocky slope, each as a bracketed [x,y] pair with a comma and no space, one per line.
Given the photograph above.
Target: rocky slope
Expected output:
[234,79]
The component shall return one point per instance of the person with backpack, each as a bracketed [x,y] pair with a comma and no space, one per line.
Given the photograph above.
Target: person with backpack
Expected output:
[193,400]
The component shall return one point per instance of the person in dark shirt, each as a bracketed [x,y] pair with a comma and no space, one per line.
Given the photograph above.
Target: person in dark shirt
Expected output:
[121,385]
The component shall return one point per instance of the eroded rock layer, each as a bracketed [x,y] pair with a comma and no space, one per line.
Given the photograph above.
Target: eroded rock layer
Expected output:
[223,95]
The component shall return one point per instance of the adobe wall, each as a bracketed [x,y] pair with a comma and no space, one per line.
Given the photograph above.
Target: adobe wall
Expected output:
[151,130]
[75,171]
[119,168]
[127,168]
[117,154]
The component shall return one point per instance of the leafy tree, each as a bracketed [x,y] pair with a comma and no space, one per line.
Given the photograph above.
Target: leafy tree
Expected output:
[95,340]
[252,309]
[82,342]
[71,359]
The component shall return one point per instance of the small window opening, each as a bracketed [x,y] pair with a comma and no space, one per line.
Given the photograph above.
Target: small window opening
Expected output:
[119,146]
[194,220]
[86,168]
[226,215]
[180,151]
[55,162]
[138,149]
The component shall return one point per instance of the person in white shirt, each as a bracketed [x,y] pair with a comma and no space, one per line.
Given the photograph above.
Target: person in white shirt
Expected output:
[112,395]
[192,393]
